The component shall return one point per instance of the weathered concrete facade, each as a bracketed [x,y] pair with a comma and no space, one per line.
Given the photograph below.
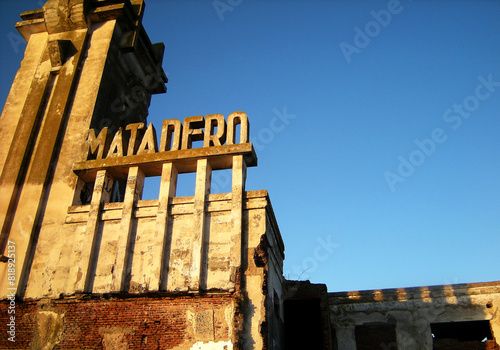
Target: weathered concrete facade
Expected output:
[62,89]
[79,244]
[447,317]
[86,263]
[460,316]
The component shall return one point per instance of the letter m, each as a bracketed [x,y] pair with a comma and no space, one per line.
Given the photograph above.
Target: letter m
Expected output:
[96,145]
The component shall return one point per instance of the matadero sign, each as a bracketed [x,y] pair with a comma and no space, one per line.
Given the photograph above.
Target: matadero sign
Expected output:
[174,136]
[138,145]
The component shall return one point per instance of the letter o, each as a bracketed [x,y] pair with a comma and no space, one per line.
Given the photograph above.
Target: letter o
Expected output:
[475,103]
[266,136]
[419,160]
[138,93]
[375,25]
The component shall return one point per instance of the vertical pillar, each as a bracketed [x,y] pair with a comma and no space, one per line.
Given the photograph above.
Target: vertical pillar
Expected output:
[425,336]
[126,238]
[238,191]
[346,338]
[162,236]
[414,332]
[89,246]
[33,110]
[32,155]
[495,328]
[202,190]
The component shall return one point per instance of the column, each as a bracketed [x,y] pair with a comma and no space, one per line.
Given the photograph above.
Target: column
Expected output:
[126,236]
[162,236]
[197,278]
[33,153]
[406,332]
[346,338]
[237,197]
[91,243]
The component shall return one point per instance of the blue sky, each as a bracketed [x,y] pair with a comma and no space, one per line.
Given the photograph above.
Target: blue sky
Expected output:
[375,123]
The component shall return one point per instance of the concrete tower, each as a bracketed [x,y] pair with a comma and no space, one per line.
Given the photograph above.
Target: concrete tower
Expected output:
[87,263]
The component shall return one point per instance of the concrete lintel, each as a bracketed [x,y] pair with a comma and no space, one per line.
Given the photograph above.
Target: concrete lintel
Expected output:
[417,294]
[221,157]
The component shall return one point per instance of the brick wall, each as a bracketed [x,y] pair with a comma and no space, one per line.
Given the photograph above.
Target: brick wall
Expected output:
[120,323]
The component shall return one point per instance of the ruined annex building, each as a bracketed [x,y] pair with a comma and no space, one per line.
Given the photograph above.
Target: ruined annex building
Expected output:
[87,264]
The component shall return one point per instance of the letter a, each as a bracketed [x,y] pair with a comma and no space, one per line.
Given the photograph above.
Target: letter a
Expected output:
[392,179]
[348,50]
[220,8]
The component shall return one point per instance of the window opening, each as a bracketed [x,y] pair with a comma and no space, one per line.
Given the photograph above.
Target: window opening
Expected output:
[118,191]
[303,324]
[462,335]
[185,185]
[151,189]
[85,193]
[376,336]
[221,181]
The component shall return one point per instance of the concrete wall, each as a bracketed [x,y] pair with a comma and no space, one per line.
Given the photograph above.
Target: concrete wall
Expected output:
[50,278]
[411,311]
[54,99]
[95,265]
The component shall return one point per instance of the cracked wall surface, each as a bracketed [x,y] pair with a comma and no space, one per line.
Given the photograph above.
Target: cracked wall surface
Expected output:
[411,311]
[97,266]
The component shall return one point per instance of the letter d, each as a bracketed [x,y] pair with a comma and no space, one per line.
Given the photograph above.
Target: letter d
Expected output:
[426,145]
[361,35]
[383,17]
[405,169]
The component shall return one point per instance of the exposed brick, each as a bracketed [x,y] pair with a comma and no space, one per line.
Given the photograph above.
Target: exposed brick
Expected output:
[141,323]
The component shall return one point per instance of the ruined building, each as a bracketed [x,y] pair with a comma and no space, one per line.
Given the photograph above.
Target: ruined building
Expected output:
[87,264]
